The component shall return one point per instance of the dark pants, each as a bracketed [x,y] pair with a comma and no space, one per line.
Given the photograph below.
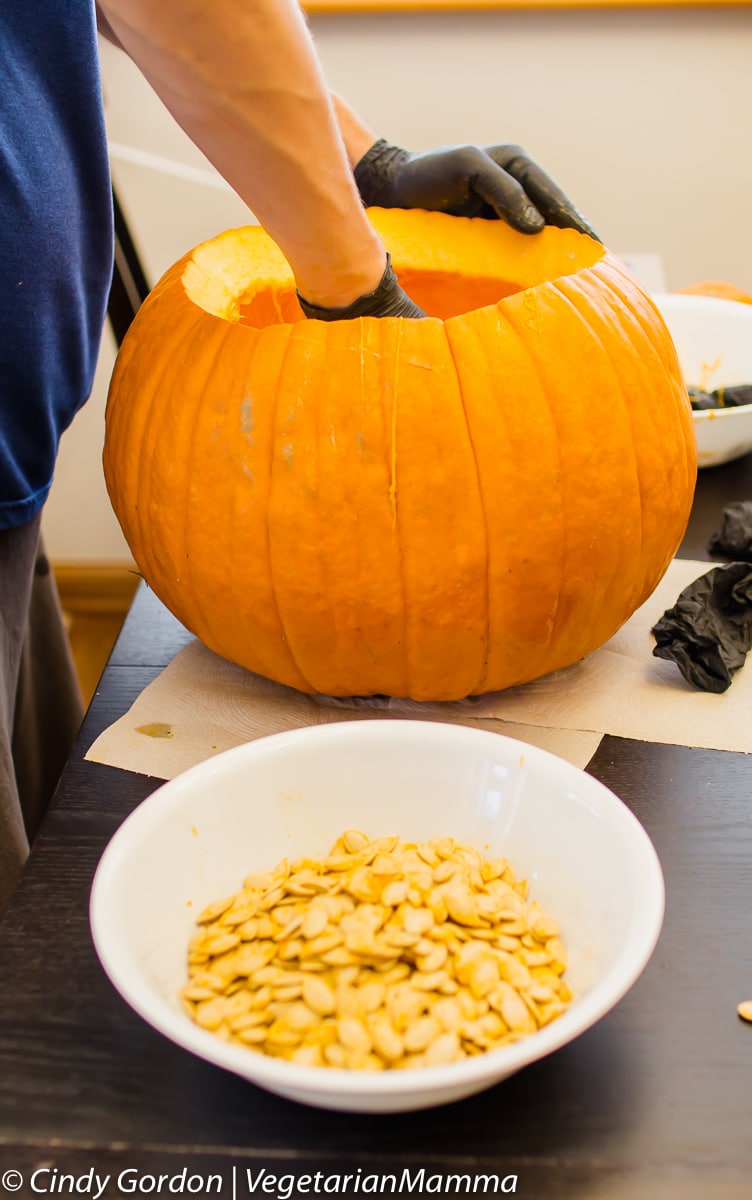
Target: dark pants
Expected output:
[40,703]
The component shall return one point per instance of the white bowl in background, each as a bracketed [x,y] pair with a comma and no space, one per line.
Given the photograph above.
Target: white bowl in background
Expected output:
[713,339]
[589,862]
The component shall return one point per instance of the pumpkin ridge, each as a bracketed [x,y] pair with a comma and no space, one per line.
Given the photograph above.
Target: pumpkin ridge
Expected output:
[605,271]
[681,412]
[656,333]
[144,478]
[115,470]
[361,510]
[393,434]
[269,537]
[485,662]
[383,327]
[393,394]
[673,370]
[158,415]
[440,529]
[357,561]
[338,618]
[187,578]
[509,311]
[245,494]
[504,408]
[612,305]
[582,287]
[570,292]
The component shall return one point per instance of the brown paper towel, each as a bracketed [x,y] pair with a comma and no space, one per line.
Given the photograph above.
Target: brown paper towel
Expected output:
[201,704]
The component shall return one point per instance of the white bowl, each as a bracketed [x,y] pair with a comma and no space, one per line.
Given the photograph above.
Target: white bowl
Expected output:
[713,339]
[589,862]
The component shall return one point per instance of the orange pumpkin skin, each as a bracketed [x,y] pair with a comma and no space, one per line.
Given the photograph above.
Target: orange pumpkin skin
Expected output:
[426,509]
[719,289]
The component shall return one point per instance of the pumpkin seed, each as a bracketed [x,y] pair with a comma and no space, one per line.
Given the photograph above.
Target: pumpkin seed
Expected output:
[318,995]
[387,1042]
[354,841]
[383,955]
[421,1033]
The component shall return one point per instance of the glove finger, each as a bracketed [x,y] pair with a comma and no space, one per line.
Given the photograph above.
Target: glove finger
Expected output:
[548,197]
[506,197]
[493,185]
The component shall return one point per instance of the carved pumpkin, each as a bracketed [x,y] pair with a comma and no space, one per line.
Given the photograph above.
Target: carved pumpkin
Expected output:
[427,508]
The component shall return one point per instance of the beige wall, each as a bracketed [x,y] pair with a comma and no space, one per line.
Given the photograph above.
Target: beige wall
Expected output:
[642,115]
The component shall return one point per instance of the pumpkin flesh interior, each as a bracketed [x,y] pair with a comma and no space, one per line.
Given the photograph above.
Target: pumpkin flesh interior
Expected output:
[242,276]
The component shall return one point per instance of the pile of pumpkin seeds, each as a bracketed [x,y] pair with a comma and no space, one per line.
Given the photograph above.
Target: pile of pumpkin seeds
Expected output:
[385,954]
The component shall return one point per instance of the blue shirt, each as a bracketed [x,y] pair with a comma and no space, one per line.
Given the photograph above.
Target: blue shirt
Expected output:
[56,241]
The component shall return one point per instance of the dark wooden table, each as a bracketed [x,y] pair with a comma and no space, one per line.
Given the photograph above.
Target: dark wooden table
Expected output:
[653,1103]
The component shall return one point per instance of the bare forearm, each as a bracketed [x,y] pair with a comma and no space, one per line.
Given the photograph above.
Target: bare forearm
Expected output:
[356,134]
[243,80]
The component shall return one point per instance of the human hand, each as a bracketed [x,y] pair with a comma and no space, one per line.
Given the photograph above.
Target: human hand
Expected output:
[388,300]
[467,181]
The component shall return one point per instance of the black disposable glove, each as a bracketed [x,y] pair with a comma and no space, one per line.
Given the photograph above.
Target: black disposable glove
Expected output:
[467,181]
[734,538]
[388,300]
[708,632]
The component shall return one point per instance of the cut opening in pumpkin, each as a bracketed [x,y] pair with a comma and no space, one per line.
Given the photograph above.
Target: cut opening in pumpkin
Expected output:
[242,276]
[438,293]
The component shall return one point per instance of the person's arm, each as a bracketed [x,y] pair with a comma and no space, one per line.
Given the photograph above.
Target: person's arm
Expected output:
[357,135]
[245,83]
[104,28]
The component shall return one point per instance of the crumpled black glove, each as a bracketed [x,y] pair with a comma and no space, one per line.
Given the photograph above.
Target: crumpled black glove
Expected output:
[708,632]
[467,181]
[388,300]
[734,538]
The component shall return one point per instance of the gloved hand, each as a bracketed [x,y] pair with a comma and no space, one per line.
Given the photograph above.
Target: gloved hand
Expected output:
[388,300]
[467,181]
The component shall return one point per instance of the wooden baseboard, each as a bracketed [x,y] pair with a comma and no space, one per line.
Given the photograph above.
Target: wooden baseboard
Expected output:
[96,588]
[95,598]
